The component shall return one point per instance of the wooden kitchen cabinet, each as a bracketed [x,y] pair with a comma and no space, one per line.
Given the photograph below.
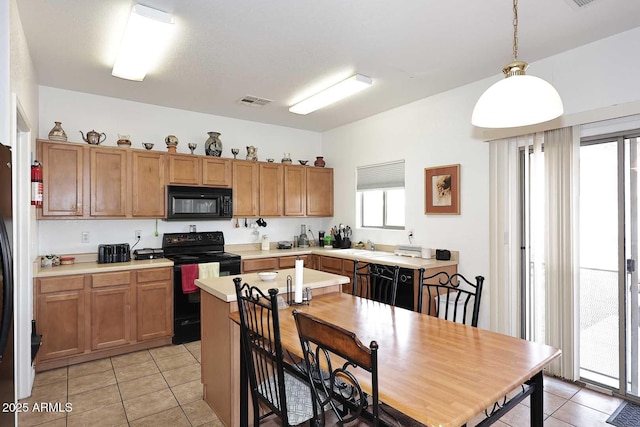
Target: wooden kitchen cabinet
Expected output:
[110,309]
[271,189]
[295,190]
[154,294]
[259,264]
[60,315]
[185,169]
[319,191]
[108,172]
[343,267]
[246,188]
[92,316]
[148,198]
[290,261]
[62,179]
[199,170]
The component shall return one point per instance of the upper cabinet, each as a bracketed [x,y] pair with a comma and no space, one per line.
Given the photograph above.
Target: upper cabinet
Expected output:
[271,189]
[63,190]
[246,188]
[88,181]
[199,170]
[295,190]
[319,192]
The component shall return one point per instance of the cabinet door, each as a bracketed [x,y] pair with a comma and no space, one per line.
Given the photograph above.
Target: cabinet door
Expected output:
[271,187]
[216,172]
[246,188]
[290,261]
[110,309]
[319,192]
[148,189]
[154,306]
[295,190]
[63,179]
[108,172]
[110,317]
[184,170]
[259,264]
[60,311]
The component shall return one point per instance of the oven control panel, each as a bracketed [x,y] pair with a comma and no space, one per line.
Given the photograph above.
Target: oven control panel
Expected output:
[184,239]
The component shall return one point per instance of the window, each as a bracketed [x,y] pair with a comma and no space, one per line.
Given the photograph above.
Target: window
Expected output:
[380,195]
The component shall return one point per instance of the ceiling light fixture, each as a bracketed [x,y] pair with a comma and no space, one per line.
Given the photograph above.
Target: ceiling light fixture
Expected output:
[332,94]
[145,37]
[518,100]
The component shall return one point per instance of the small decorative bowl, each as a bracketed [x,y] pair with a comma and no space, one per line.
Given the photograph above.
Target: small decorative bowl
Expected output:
[267,276]
[303,162]
[148,145]
[67,260]
[270,160]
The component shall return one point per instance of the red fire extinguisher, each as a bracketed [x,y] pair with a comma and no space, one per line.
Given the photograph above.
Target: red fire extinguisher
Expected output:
[36,184]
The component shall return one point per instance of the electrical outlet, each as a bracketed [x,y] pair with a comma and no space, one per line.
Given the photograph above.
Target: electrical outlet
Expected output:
[138,234]
[85,237]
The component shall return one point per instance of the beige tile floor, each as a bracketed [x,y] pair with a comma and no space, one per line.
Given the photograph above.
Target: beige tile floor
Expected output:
[161,387]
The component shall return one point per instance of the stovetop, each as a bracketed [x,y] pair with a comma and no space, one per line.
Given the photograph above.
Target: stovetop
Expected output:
[192,248]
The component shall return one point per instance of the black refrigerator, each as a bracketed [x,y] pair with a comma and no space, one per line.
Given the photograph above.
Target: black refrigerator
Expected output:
[7,387]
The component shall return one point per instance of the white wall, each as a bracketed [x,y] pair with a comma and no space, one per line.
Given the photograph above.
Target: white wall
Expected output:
[150,123]
[22,78]
[437,131]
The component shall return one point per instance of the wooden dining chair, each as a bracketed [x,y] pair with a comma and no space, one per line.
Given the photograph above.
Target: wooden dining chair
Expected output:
[286,395]
[450,297]
[331,354]
[377,282]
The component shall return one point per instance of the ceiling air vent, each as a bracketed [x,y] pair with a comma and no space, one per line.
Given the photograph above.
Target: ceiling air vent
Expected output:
[579,3]
[254,101]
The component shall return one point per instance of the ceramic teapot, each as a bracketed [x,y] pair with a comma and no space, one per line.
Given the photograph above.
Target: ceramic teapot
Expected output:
[93,137]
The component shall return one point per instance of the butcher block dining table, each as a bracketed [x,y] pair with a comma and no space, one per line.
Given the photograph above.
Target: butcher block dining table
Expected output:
[438,372]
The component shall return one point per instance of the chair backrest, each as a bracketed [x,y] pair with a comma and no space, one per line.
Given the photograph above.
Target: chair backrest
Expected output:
[333,382]
[375,281]
[261,347]
[450,297]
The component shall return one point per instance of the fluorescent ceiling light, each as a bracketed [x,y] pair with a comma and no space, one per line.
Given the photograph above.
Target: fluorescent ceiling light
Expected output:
[332,94]
[145,37]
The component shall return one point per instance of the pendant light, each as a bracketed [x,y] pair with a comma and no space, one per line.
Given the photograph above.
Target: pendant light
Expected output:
[518,99]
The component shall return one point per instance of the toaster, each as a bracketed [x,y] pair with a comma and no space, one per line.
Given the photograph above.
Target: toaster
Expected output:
[119,252]
[148,253]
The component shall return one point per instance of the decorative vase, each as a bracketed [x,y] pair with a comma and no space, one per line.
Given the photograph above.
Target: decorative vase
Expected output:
[286,158]
[252,153]
[319,162]
[172,143]
[57,133]
[213,145]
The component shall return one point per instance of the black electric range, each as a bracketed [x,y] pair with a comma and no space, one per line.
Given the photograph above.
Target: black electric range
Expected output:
[194,248]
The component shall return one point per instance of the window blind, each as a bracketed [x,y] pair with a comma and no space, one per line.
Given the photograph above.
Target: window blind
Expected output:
[383,175]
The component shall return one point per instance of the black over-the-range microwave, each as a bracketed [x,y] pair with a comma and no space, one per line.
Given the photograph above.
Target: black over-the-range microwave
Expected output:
[189,203]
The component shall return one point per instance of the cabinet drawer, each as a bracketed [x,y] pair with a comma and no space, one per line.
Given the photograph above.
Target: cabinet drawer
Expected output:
[332,265]
[110,279]
[259,264]
[153,275]
[60,284]
[290,261]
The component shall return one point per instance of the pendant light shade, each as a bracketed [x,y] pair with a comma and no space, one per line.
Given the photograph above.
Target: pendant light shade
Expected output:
[518,100]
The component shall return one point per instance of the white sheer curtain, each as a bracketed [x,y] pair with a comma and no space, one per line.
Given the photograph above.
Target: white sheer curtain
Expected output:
[547,182]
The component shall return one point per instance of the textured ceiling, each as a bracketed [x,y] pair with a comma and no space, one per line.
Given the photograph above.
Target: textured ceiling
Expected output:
[282,49]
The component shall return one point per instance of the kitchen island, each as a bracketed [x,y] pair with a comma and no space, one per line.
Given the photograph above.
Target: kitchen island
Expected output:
[221,336]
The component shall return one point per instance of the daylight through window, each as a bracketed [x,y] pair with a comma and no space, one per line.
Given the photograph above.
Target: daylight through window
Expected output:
[380,195]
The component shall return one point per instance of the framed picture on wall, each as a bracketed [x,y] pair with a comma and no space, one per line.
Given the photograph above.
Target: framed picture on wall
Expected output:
[442,190]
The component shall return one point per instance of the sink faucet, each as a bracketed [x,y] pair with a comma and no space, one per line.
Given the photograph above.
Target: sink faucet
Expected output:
[372,246]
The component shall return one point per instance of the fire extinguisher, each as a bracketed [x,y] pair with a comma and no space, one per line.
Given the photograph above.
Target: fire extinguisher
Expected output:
[36,184]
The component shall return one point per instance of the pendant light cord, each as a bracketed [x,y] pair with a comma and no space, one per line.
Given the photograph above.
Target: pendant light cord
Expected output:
[515,30]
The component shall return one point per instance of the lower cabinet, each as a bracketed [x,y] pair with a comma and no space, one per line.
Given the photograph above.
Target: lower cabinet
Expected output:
[343,267]
[86,317]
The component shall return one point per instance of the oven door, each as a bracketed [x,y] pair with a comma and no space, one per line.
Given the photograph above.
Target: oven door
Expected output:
[188,203]
[186,307]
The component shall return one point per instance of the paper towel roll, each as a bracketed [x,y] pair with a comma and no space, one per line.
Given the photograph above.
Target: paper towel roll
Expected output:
[298,281]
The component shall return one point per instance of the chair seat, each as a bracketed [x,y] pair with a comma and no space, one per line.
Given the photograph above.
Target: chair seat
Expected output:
[299,398]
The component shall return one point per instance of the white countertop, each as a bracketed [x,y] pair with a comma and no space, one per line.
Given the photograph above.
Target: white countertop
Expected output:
[380,257]
[223,287]
[93,267]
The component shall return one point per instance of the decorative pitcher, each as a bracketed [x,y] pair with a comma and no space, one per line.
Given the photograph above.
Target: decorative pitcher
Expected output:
[252,153]
[93,137]
[213,145]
